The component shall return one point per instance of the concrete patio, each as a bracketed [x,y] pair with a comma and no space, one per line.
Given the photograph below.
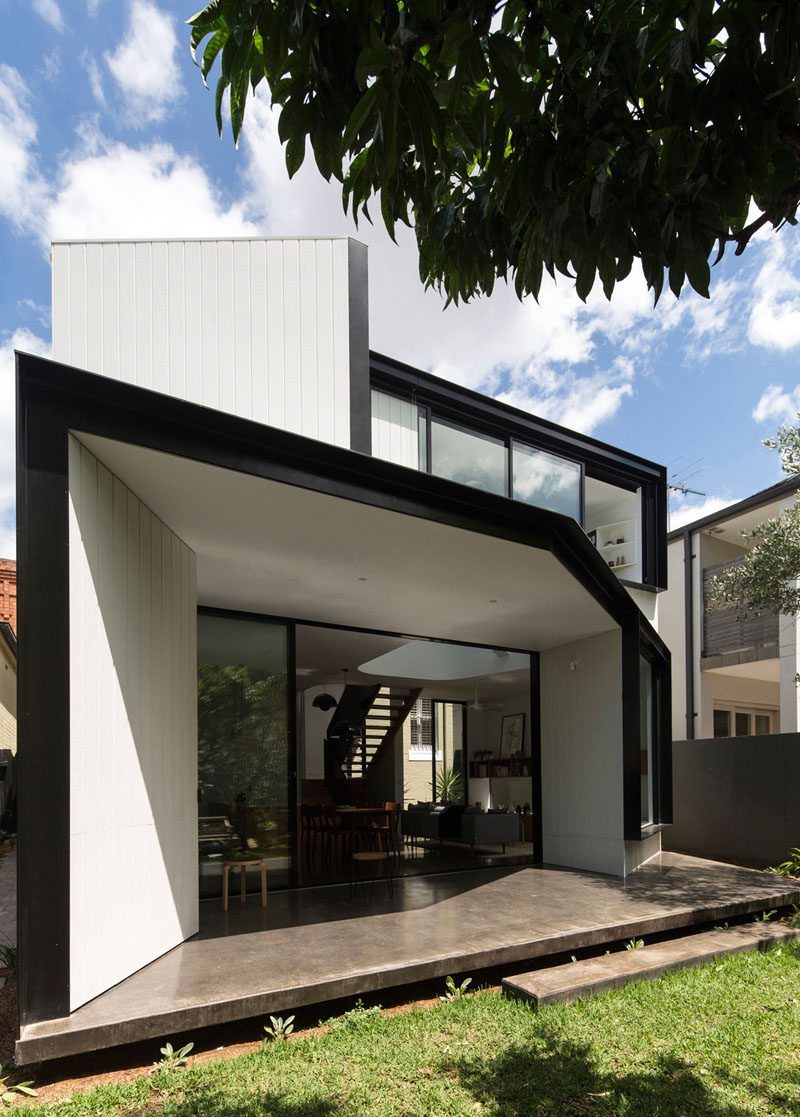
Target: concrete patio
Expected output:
[317,944]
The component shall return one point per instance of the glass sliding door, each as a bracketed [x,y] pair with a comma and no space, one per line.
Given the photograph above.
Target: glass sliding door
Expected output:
[243,742]
[448,735]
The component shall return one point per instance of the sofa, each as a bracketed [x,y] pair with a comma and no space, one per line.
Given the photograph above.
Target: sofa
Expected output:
[469,825]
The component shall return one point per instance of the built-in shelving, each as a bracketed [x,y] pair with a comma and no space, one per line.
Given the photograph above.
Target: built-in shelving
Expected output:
[496,767]
[617,543]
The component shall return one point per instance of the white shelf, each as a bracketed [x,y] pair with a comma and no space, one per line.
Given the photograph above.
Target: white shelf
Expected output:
[617,543]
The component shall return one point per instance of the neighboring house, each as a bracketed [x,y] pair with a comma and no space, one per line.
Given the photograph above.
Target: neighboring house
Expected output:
[731,677]
[8,593]
[8,687]
[214,463]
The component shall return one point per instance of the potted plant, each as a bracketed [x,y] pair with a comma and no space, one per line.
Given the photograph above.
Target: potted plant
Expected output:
[449,785]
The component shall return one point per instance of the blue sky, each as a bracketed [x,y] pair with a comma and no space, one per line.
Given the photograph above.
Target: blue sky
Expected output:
[106,130]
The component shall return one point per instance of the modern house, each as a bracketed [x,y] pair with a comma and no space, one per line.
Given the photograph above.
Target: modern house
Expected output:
[732,676]
[229,509]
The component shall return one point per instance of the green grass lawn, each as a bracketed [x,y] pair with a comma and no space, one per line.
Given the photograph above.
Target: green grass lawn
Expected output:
[719,1041]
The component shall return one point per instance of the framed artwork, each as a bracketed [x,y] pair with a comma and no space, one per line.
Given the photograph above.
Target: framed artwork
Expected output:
[512,734]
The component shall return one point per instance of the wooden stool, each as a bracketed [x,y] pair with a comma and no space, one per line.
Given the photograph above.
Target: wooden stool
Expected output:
[370,857]
[244,866]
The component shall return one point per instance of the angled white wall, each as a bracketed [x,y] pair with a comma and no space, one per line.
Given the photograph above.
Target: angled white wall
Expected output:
[582,769]
[270,330]
[133,732]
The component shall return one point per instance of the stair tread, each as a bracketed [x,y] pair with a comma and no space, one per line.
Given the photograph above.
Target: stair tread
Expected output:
[609,971]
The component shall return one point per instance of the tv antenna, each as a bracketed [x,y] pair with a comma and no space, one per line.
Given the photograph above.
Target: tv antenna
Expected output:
[680,477]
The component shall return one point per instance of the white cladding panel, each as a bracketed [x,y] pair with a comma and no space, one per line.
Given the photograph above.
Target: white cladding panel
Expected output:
[395,430]
[256,328]
[581,718]
[133,732]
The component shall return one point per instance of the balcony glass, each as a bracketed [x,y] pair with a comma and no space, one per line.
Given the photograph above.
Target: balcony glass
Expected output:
[546,481]
[472,459]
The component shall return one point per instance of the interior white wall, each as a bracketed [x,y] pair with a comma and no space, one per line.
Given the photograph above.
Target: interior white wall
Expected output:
[133,732]
[483,732]
[627,506]
[582,805]
[256,328]
[314,728]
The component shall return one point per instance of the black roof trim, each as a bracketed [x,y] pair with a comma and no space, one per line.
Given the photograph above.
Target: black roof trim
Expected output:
[764,496]
[492,413]
[111,408]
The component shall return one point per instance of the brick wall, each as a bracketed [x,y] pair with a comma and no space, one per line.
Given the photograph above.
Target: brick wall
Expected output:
[8,592]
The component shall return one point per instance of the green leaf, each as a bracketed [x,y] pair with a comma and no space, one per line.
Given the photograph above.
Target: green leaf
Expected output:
[295,154]
[698,273]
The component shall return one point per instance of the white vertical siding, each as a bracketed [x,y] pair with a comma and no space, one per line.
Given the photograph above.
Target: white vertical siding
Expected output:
[395,432]
[256,328]
[133,732]
[582,809]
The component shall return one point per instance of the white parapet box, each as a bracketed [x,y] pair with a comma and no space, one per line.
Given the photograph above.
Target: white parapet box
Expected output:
[274,330]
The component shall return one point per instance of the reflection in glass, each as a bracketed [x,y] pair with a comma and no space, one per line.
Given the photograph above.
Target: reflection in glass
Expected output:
[469,458]
[546,481]
[242,747]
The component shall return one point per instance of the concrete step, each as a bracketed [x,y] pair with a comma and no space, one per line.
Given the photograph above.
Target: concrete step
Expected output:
[576,980]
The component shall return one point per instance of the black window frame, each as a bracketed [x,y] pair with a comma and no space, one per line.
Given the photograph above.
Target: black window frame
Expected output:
[480,414]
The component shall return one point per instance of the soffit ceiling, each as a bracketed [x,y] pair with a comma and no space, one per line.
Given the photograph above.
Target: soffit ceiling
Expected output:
[268,547]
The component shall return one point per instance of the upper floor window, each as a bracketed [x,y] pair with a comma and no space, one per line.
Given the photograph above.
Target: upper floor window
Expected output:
[472,459]
[547,481]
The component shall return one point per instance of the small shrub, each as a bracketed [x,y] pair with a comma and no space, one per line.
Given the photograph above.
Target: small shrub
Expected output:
[278,1029]
[454,992]
[171,1059]
[793,920]
[7,1091]
[634,944]
[355,1017]
[790,867]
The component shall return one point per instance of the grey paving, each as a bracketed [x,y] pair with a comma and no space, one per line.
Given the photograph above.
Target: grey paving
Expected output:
[317,944]
[577,980]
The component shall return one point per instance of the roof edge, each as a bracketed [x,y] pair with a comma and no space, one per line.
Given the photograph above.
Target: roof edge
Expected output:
[764,496]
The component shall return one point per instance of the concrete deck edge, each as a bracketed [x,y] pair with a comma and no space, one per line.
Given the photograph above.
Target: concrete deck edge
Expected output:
[52,1039]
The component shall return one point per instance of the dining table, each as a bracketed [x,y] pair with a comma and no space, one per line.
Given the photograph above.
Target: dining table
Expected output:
[363,815]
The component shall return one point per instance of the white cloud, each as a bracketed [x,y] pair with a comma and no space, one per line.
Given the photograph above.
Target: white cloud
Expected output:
[775,314]
[21,189]
[145,65]
[485,344]
[50,13]
[140,192]
[29,343]
[92,69]
[777,405]
[682,510]
[578,402]
[102,189]
[51,64]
